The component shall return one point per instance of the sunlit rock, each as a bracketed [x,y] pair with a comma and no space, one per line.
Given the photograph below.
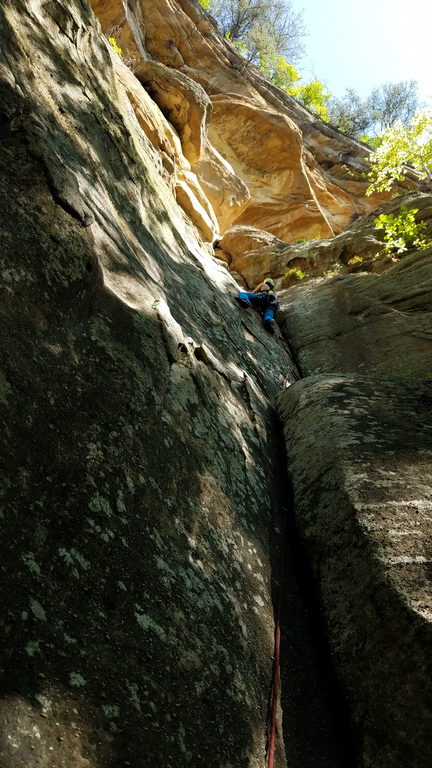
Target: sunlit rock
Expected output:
[227,193]
[305,178]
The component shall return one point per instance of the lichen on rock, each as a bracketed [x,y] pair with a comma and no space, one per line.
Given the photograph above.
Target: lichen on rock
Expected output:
[143,487]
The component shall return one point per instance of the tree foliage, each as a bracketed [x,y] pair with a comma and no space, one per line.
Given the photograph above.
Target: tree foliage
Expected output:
[270,33]
[366,118]
[402,231]
[391,102]
[265,27]
[282,74]
[349,114]
[313,94]
[402,145]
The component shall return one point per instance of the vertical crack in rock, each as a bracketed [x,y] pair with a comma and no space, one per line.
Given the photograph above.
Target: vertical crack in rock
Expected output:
[314,717]
[142,485]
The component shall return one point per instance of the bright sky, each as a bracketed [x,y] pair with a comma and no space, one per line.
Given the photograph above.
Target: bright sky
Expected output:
[363,44]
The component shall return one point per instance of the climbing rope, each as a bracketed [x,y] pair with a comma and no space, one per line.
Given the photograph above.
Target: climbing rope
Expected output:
[276,658]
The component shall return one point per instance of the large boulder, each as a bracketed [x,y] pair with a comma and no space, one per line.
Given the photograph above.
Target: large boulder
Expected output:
[359,447]
[365,323]
[359,453]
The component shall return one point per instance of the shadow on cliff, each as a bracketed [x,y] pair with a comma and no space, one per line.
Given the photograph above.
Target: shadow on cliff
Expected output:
[146,650]
[125,593]
[115,621]
[315,722]
[129,569]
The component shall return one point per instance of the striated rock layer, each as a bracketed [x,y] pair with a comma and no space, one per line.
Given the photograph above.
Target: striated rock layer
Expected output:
[304,178]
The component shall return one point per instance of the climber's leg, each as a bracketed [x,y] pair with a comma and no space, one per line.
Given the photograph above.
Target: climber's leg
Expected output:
[268,319]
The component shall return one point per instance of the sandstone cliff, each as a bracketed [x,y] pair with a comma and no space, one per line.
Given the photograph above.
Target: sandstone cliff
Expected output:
[143,485]
[290,174]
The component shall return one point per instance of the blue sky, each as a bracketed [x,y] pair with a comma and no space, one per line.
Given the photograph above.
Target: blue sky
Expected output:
[368,43]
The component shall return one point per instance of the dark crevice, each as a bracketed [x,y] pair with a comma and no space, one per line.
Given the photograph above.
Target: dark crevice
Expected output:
[201,355]
[293,355]
[317,732]
[4,125]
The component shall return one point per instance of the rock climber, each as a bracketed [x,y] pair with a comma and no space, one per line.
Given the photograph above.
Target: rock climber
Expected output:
[263,297]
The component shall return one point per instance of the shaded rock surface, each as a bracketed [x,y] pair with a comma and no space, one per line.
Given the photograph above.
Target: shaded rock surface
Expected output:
[365,323]
[140,493]
[142,488]
[124,367]
[358,439]
[360,454]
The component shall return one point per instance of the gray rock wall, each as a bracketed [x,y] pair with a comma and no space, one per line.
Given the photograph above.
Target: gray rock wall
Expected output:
[139,490]
[141,483]
[359,448]
[379,324]
[360,458]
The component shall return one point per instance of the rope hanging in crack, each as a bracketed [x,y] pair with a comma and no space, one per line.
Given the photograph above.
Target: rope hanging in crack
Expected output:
[276,658]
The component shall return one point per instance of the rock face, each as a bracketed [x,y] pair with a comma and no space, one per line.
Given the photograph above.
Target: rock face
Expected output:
[359,449]
[226,192]
[303,178]
[360,456]
[139,490]
[251,253]
[365,323]
[183,102]
[266,148]
[142,488]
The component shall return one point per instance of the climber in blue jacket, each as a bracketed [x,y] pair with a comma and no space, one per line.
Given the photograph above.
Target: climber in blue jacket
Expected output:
[263,297]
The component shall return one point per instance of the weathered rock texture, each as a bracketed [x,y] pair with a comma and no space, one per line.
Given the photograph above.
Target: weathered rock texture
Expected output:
[141,489]
[303,177]
[360,456]
[359,445]
[365,323]
[252,253]
[138,489]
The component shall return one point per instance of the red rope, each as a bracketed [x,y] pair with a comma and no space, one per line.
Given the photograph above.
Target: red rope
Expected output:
[276,662]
